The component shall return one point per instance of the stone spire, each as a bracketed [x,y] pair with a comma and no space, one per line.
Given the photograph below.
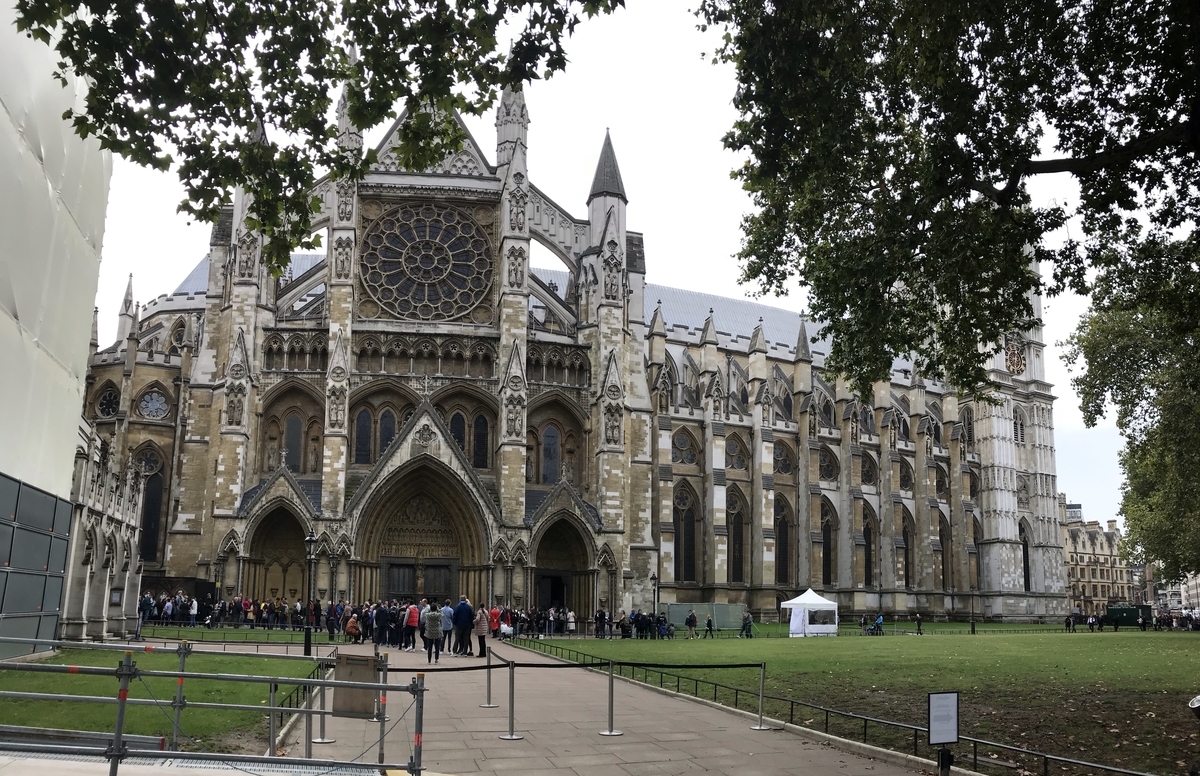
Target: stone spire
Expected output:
[709,335]
[607,181]
[95,340]
[128,314]
[758,339]
[802,351]
[512,125]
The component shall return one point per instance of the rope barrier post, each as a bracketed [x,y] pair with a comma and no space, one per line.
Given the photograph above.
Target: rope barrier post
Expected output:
[116,751]
[512,702]
[323,739]
[184,649]
[414,763]
[610,731]
[762,684]
[271,719]
[308,731]
[382,720]
[487,704]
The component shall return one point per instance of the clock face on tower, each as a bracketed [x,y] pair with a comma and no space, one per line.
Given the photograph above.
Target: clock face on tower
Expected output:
[1014,358]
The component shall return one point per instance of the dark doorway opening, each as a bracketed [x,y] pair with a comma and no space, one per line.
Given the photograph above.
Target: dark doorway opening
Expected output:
[553,588]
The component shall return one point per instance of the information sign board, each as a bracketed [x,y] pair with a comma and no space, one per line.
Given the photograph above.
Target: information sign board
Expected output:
[943,718]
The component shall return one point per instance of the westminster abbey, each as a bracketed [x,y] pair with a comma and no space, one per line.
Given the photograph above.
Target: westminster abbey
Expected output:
[429,415]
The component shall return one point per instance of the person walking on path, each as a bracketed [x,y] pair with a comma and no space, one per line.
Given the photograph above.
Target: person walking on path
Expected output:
[747,624]
[433,634]
[919,624]
[708,627]
[690,622]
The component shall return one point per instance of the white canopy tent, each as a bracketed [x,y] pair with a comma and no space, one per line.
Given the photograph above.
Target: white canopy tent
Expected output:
[812,615]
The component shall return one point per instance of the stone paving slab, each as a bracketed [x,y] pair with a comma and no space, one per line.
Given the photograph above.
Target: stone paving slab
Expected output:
[560,713]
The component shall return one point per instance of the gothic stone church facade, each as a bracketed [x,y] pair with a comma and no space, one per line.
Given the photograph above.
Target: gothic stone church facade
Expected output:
[437,418]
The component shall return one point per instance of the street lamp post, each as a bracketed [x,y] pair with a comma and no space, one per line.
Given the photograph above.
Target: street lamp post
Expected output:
[310,547]
[654,581]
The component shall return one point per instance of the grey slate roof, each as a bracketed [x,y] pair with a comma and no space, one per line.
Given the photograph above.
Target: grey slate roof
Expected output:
[311,488]
[608,175]
[197,280]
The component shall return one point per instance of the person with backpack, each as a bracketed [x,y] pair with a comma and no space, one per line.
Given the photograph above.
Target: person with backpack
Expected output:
[690,622]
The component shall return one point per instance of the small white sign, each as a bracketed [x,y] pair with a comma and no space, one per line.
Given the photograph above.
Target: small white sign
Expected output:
[943,718]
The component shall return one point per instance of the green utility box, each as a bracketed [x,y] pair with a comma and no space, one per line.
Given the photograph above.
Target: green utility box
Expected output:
[1127,616]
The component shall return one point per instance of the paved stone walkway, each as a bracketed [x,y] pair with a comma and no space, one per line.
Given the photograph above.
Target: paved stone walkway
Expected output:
[560,712]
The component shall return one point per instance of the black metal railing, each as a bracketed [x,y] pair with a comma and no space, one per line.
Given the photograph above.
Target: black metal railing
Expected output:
[898,736]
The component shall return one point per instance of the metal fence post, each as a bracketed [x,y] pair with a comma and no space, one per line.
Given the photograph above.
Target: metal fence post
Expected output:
[308,733]
[762,683]
[512,702]
[382,720]
[610,731]
[271,718]
[125,671]
[184,649]
[414,764]
[487,704]
[323,739]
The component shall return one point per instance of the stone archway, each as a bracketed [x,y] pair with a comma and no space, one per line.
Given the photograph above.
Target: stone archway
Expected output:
[421,538]
[276,566]
[564,575]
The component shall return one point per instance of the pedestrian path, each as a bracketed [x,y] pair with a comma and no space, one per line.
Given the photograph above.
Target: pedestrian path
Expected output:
[560,713]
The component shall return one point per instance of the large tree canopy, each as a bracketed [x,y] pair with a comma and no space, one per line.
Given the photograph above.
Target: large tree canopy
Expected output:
[891,143]
[238,93]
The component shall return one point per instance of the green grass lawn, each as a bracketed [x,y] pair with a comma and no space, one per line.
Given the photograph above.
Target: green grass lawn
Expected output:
[216,729]
[1113,698]
[234,635]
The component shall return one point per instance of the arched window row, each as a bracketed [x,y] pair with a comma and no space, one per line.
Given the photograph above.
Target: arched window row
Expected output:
[870,549]
[557,367]
[908,537]
[472,437]
[449,359]
[737,520]
[828,548]
[296,354]
[946,545]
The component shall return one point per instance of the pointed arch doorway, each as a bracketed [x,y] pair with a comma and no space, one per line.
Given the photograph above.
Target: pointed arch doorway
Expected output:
[564,574]
[422,538]
[276,566]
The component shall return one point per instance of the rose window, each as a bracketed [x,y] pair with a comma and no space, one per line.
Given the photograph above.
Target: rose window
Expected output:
[153,405]
[109,403]
[430,262]
[148,462]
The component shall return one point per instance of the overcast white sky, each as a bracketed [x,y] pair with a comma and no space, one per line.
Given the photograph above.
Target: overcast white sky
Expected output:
[639,74]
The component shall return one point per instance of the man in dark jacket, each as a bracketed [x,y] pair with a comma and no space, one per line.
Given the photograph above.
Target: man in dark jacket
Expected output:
[464,619]
[381,624]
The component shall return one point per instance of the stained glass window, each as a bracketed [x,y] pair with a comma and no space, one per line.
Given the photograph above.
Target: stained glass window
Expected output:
[429,262]
[735,454]
[362,437]
[783,460]
[480,444]
[683,450]
[153,405]
[458,429]
[387,430]
[109,403]
[293,440]
[737,540]
[827,465]
[685,536]
[551,455]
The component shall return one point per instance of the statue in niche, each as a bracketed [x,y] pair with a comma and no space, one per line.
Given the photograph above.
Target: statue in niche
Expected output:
[513,417]
[314,455]
[529,468]
[235,407]
[516,266]
[612,426]
[567,470]
[272,455]
[892,435]
[854,428]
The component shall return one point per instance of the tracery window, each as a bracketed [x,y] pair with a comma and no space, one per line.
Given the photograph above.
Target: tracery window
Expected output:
[362,436]
[827,414]
[968,421]
[906,476]
[737,542]
[431,262]
[942,484]
[684,517]
[908,536]
[683,449]
[870,472]
[783,460]
[1024,537]
[152,497]
[148,461]
[866,421]
[974,487]
[783,542]
[153,405]
[109,403]
[944,543]
[868,548]
[735,454]
[1018,426]
[827,465]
